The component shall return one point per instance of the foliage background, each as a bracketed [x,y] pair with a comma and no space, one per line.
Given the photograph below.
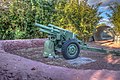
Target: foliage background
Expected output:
[115,17]
[17,17]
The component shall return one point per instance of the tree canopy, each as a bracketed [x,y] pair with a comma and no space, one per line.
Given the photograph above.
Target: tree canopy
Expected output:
[81,18]
[17,21]
[115,17]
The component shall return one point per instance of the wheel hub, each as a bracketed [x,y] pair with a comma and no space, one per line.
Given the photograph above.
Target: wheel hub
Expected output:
[72,49]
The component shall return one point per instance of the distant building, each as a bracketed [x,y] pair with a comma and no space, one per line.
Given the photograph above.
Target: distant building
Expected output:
[102,33]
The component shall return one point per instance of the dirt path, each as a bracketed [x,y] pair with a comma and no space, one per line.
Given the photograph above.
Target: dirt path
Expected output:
[13,67]
[24,69]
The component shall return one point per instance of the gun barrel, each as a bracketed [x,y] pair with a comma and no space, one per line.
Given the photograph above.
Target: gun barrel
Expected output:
[47,29]
[55,27]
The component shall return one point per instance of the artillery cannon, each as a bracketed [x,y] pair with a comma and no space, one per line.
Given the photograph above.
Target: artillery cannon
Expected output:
[60,40]
[64,41]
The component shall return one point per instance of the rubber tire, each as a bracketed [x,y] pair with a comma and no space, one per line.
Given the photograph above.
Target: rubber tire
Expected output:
[65,46]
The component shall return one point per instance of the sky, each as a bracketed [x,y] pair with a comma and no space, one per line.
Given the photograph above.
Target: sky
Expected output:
[104,8]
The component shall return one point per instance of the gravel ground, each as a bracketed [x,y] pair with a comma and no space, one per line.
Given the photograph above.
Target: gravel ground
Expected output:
[28,66]
[98,60]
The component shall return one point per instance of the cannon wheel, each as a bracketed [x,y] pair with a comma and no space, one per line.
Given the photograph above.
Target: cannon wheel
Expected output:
[70,49]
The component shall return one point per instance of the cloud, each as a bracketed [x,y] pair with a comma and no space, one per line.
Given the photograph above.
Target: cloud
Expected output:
[104,8]
[107,22]
[104,20]
[93,2]
[104,2]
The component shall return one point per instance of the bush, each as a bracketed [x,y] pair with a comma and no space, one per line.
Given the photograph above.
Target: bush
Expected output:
[17,21]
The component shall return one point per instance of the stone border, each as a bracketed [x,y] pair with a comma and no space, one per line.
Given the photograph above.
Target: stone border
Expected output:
[9,45]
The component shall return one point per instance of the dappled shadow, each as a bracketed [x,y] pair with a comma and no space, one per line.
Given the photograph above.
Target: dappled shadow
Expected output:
[112,59]
[106,41]
[106,44]
[103,75]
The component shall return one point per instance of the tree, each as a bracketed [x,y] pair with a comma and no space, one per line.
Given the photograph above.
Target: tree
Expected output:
[18,20]
[115,17]
[80,18]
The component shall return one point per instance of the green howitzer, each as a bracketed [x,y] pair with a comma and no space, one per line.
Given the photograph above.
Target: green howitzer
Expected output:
[65,42]
[60,40]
